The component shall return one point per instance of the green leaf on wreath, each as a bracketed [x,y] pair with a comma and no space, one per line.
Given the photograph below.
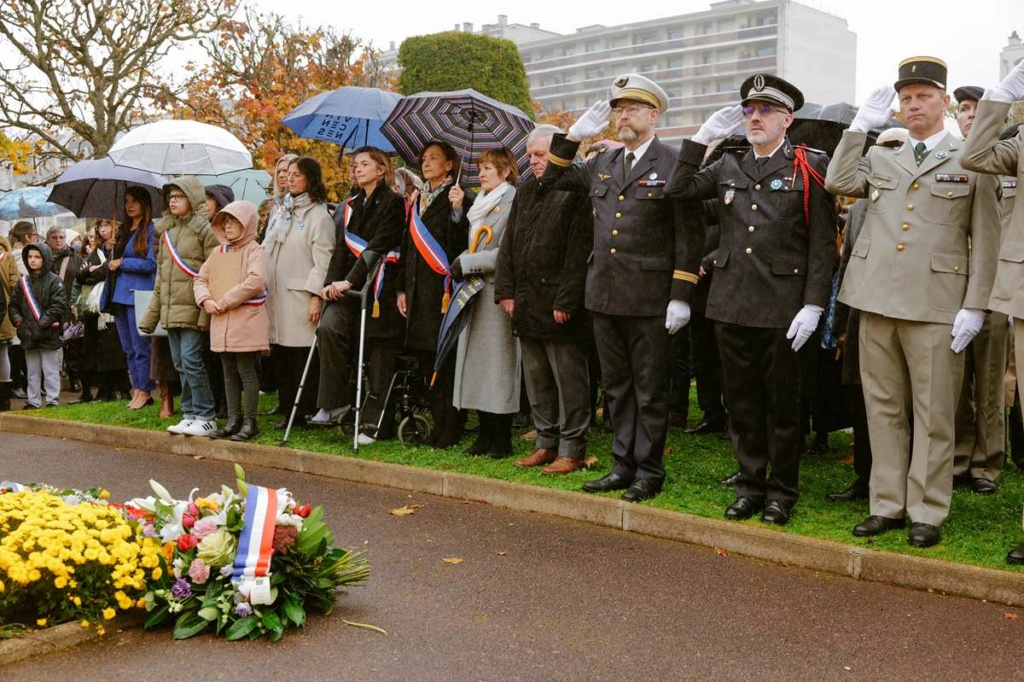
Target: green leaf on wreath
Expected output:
[272,622]
[210,613]
[293,610]
[157,617]
[242,628]
[189,623]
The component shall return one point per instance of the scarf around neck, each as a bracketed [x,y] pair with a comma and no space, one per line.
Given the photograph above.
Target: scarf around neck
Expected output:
[281,224]
[483,204]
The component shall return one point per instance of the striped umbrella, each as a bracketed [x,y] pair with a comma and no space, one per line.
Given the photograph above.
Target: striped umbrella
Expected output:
[467,120]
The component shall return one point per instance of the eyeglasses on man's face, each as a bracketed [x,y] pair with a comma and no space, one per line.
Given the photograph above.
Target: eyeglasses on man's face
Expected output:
[630,110]
[763,109]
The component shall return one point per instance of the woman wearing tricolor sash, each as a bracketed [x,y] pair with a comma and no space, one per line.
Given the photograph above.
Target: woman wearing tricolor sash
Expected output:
[438,232]
[184,242]
[370,224]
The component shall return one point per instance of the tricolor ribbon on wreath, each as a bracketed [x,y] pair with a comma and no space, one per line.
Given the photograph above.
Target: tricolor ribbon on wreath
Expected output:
[251,570]
[357,245]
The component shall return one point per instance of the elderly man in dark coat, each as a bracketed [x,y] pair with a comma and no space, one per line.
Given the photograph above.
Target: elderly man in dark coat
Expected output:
[542,268]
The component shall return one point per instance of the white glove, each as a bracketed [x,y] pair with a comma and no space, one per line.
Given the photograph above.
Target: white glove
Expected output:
[803,325]
[1010,88]
[677,316]
[966,326]
[874,112]
[592,122]
[722,124]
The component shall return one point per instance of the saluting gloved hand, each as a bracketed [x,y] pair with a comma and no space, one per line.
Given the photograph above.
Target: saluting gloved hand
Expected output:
[592,122]
[966,326]
[722,124]
[1011,88]
[677,316]
[803,325]
[874,112]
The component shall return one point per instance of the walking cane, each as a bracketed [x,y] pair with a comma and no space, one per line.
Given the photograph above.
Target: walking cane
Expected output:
[302,381]
[374,263]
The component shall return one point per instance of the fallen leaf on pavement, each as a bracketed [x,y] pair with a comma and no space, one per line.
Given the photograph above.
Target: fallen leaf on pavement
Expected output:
[406,510]
[452,560]
[365,626]
[589,462]
[502,552]
[198,457]
[1011,616]
[721,552]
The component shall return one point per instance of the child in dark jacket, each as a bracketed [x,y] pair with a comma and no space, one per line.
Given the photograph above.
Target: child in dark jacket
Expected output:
[38,304]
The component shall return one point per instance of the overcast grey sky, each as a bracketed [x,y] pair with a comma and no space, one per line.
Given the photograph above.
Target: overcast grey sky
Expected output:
[968,35]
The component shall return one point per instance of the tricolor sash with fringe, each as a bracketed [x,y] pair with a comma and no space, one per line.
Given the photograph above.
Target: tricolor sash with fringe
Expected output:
[256,541]
[431,252]
[30,298]
[357,245]
[176,257]
[255,300]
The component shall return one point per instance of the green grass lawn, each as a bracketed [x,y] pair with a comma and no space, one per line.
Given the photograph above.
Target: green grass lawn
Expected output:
[980,529]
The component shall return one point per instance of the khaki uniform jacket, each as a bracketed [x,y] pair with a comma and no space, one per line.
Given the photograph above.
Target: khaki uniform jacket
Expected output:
[930,238]
[984,154]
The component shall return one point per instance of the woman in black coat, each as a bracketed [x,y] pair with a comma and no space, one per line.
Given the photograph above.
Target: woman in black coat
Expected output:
[370,225]
[421,290]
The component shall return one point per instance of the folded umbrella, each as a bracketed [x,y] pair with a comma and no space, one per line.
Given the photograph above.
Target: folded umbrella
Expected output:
[349,116]
[455,319]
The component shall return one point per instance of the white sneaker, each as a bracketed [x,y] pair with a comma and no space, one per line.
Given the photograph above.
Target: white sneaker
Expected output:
[200,427]
[363,439]
[329,417]
[180,426]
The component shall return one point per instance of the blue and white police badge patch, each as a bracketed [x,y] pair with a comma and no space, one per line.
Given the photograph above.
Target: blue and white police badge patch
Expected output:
[776,184]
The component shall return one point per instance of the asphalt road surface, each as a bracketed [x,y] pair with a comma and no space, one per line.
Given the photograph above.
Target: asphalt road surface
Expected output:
[535,598]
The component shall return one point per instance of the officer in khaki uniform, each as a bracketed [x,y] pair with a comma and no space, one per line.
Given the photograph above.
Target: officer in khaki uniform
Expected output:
[980,425]
[641,274]
[920,272]
[1006,157]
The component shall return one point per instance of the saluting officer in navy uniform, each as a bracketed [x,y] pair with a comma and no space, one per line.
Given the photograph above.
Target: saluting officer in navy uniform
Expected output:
[640,276]
[772,277]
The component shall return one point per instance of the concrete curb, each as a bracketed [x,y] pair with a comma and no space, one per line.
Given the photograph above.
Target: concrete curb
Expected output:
[59,637]
[760,543]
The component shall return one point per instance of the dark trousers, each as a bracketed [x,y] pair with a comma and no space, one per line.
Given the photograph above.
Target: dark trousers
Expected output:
[854,399]
[634,353]
[289,361]
[761,374]
[241,383]
[682,371]
[707,368]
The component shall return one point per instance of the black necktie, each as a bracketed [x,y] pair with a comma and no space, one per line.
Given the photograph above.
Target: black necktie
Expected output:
[761,161]
[630,157]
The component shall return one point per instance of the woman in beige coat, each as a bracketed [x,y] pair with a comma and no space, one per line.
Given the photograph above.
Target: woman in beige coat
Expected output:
[299,244]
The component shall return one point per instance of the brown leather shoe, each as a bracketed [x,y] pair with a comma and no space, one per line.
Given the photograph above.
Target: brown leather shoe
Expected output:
[537,458]
[563,465]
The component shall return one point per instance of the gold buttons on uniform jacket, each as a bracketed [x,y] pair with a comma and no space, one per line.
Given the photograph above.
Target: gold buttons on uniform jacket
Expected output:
[750,250]
[796,271]
[615,233]
[956,268]
[618,215]
[949,194]
[622,198]
[915,186]
[753,207]
[750,229]
[757,186]
[910,207]
[905,226]
[650,194]
[611,251]
[899,247]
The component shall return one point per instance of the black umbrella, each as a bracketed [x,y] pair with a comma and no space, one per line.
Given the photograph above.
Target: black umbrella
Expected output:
[821,126]
[96,188]
[455,319]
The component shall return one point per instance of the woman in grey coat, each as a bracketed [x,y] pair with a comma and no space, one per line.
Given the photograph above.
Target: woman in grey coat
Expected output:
[487,365]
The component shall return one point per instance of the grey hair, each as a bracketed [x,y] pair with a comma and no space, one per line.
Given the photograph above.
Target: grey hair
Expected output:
[406,181]
[542,131]
[54,230]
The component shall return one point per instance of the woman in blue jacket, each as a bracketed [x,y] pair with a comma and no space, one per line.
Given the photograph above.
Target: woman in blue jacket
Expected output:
[132,267]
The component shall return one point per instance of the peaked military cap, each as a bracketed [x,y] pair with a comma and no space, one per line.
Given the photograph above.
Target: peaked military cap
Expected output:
[770,88]
[967,92]
[922,71]
[640,89]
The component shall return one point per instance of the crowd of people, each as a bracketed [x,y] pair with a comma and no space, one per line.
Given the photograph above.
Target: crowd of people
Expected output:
[874,289]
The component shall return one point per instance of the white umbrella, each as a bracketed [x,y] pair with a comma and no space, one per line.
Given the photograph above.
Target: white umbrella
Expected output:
[176,147]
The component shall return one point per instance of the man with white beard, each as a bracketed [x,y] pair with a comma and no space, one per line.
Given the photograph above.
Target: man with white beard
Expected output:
[772,277]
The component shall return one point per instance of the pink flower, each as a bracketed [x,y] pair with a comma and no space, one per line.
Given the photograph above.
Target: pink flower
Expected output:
[204,526]
[199,571]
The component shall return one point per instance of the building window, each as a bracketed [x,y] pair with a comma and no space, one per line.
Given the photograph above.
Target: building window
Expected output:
[706,28]
[706,57]
[646,38]
[620,41]
[675,63]
[725,85]
[592,46]
[569,51]
[765,19]
[593,73]
[647,68]
[704,88]
[675,33]
[766,50]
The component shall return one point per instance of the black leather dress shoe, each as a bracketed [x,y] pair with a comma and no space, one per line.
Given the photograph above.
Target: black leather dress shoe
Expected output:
[983,486]
[730,480]
[962,481]
[706,428]
[775,512]
[609,482]
[1016,556]
[743,508]
[641,489]
[923,535]
[854,492]
[876,525]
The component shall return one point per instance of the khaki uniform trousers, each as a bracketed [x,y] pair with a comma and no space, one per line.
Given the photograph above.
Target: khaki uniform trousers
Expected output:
[907,368]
